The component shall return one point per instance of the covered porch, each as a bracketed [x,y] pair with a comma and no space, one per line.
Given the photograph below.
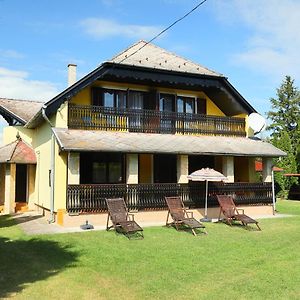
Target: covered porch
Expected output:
[144,168]
[17,177]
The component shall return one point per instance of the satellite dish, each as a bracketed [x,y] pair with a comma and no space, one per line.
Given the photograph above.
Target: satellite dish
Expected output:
[257,122]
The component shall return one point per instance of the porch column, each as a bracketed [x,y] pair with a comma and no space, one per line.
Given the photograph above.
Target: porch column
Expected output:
[31,173]
[2,186]
[132,168]
[10,187]
[182,168]
[267,169]
[73,168]
[228,167]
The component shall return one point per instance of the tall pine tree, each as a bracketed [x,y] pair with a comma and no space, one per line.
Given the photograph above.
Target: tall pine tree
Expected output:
[285,130]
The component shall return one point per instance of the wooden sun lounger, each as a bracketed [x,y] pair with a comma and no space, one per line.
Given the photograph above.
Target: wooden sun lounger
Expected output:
[232,213]
[181,217]
[121,220]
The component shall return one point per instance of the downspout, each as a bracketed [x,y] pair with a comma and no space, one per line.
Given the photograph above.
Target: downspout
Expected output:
[52,166]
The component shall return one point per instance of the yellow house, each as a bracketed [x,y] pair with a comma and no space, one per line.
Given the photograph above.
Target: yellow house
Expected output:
[135,127]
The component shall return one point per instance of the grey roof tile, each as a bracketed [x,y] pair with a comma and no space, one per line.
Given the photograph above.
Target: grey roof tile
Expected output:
[154,57]
[24,109]
[88,140]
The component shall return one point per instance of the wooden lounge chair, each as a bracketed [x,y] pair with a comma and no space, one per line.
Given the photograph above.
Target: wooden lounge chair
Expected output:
[181,217]
[232,213]
[121,220]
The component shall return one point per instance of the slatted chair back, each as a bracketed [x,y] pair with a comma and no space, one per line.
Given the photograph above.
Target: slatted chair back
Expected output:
[117,209]
[176,207]
[227,206]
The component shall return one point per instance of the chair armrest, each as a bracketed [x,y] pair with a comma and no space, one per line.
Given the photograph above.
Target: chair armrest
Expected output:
[130,217]
[243,211]
[189,214]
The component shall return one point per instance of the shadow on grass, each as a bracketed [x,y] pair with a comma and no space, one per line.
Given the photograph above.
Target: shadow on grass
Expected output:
[8,221]
[23,262]
[239,225]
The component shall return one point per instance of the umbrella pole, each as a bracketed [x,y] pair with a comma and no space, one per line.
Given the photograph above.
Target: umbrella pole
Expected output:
[206,194]
[206,219]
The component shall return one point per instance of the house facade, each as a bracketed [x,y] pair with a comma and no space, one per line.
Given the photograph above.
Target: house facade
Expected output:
[135,127]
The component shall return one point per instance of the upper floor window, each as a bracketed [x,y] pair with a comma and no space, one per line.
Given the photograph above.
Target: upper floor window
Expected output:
[109,98]
[185,105]
[147,100]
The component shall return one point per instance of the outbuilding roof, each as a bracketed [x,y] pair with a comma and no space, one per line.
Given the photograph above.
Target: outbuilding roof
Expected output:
[87,140]
[21,110]
[17,152]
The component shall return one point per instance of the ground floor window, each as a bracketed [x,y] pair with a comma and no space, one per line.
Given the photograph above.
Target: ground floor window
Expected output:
[101,168]
[165,168]
[197,162]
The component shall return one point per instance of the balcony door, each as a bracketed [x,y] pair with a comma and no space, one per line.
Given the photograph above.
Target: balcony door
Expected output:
[167,107]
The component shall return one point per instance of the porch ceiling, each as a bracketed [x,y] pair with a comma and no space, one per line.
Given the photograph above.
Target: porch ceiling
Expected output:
[108,141]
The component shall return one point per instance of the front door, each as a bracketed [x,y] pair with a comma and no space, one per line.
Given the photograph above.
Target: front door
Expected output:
[21,183]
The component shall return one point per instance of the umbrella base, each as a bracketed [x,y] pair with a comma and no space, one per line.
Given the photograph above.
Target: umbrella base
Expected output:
[205,219]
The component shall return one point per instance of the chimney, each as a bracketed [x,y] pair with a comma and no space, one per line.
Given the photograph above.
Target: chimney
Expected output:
[71,74]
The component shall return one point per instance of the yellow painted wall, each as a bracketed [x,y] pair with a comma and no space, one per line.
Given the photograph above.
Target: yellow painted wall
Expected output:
[61,117]
[60,180]
[84,97]
[10,134]
[31,175]
[212,109]
[2,183]
[42,147]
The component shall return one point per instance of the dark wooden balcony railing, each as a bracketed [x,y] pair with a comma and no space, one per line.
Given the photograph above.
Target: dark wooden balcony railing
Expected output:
[90,198]
[150,121]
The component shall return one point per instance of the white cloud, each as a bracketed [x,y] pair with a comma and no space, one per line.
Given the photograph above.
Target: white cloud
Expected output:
[101,28]
[11,54]
[272,40]
[16,84]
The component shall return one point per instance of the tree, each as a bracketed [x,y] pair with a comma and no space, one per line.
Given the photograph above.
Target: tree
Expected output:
[285,130]
[288,163]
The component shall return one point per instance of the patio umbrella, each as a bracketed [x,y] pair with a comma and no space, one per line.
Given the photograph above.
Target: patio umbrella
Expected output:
[207,174]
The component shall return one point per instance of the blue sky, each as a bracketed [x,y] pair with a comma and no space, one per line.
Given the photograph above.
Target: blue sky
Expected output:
[255,43]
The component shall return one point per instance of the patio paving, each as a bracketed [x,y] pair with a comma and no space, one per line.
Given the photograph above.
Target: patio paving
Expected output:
[33,223]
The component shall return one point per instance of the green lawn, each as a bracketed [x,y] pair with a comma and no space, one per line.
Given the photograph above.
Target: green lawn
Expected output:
[228,263]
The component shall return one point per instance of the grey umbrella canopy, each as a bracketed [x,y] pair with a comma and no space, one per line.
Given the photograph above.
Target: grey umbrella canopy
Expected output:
[207,174]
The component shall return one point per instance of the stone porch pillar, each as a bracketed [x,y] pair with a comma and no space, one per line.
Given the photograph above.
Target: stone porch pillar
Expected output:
[267,169]
[10,187]
[132,168]
[182,168]
[228,167]
[73,168]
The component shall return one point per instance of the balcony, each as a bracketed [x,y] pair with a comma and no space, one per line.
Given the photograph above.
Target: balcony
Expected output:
[150,121]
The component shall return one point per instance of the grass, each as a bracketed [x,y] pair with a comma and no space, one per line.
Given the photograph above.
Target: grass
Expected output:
[228,263]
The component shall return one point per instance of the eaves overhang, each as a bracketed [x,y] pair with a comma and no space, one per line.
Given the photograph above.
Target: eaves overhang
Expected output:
[8,114]
[217,88]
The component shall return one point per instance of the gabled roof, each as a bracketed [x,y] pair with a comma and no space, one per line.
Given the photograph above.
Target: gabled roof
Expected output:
[20,110]
[17,152]
[146,55]
[155,66]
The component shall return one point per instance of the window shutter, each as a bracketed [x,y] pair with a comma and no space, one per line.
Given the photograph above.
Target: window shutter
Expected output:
[97,96]
[201,106]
